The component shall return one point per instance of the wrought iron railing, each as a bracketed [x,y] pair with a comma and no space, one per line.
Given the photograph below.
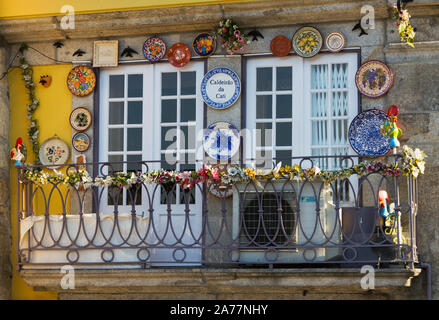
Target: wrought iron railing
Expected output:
[282,222]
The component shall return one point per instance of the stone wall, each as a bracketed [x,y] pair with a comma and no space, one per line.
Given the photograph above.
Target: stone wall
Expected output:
[5,221]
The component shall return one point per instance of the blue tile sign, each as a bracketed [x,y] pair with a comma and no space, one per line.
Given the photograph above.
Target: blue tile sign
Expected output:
[220,88]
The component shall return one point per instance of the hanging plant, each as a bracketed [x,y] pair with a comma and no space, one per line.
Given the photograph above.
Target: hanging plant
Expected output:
[34,128]
[405,30]
[231,38]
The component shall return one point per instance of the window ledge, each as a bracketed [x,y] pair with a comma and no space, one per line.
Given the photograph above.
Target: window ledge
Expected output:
[219,281]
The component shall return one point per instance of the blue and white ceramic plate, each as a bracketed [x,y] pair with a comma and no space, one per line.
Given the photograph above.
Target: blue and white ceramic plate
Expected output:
[221,140]
[365,134]
[220,88]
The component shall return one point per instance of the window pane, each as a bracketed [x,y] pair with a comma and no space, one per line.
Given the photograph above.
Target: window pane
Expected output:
[319,76]
[134,139]
[319,133]
[136,167]
[284,106]
[117,86]
[264,79]
[264,107]
[115,167]
[134,112]
[135,85]
[169,161]
[322,163]
[169,84]
[187,112]
[284,156]
[187,137]
[339,104]
[169,110]
[116,113]
[319,104]
[339,79]
[264,159]
[263,134]
[187,161]
[135,192]
[284,78]
[115,139]
[169,137]
[188,82]
[283,134]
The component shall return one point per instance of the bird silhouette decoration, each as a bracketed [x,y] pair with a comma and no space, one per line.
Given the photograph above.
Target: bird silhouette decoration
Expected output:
[358,26]
[78,53]
[45,80]
[128,52]
[16,153]
[255,34]
[58,44]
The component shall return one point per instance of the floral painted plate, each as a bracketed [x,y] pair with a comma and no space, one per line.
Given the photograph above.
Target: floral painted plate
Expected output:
[221,140]
[204,44]
[365,134]
[81,142]
[55,152]
[154,49]
[81,80]
[179,55]
[80,119]
[280,46]
[335,41]
[307,42]
[374,78]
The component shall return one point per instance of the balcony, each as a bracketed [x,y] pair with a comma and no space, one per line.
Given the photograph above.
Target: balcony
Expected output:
[223,220]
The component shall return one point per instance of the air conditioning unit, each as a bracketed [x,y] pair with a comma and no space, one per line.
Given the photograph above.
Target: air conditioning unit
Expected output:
[272,227]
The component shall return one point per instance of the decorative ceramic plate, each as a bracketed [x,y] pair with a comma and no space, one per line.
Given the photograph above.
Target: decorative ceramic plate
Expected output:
[204,44]
[280,46]
[154,49]
[220,88]
[374,78]
[219,189]
[55,152]
[365,134]
[221,140]
[335,41]
[307,42]
[81,141]
[80,119]
[179,55]
[81,80]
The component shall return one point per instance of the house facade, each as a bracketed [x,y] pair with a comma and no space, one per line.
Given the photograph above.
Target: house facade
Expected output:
[288,231]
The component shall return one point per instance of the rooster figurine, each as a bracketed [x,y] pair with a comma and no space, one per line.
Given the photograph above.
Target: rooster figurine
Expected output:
[387,211]
[16,153]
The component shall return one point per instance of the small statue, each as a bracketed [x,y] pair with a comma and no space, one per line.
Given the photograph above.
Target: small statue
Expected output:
[16,153]
[387,211]
[390,129]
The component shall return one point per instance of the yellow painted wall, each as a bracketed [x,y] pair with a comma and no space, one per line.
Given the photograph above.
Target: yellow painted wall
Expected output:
[53,116]
[31,8]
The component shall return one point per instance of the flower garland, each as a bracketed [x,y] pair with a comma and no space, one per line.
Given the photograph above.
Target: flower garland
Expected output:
[413,164]
[405,30]
[34,129]
[230,37]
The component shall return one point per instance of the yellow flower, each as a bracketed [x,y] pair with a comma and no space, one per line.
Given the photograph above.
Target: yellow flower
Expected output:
[277,175]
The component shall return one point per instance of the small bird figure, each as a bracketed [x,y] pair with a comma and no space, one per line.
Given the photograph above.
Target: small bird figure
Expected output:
[255,34]
[58,44]
[16,153]
[358,26]
[128,52]
[78,53]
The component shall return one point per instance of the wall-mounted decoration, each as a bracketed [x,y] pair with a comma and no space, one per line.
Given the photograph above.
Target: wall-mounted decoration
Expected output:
[365,134]
[128,52]
[81,158]
[80,119]
[105,53]
[179,55]
[219,188]
[54,152]
[280,46]
[45,81]
[374,78]
[81,142]
[335,41]
[18,153]
[78,53]
[358,26]
[220,88]
[307,42]
[221,140]
[81,80]
[255,34]
[204,45]
[390,128]
[154,49]
[402,17]
[231,38]
[58,44]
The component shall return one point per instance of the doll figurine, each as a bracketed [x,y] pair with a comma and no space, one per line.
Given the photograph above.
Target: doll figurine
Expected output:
[387,211]
[16,153]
